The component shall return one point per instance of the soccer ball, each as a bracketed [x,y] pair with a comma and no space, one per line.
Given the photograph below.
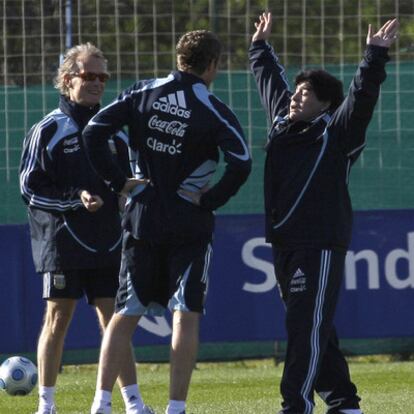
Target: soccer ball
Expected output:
[18,375]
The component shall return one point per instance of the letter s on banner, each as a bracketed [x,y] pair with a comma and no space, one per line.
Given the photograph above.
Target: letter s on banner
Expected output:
[254,262]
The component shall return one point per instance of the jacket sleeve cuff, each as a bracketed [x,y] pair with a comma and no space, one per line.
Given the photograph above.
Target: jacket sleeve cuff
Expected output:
[204,202]
[260,44]
[374,52]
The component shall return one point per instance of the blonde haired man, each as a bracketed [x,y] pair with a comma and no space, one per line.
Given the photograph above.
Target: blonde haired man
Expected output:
[74,218]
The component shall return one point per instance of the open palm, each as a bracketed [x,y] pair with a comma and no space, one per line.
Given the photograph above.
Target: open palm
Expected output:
[263,27]
[385,36]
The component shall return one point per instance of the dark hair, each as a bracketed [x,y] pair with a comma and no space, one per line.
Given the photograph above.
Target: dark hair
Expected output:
[196,50]
[326,87]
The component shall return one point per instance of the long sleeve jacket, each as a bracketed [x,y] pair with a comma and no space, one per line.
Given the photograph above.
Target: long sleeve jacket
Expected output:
[176,129]
[307,165]
[54,167]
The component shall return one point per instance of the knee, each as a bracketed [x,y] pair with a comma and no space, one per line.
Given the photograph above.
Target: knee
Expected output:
[57,322]
[185,326]
[122,326]
[185,320]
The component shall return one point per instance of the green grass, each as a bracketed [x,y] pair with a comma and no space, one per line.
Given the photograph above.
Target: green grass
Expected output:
[241,387]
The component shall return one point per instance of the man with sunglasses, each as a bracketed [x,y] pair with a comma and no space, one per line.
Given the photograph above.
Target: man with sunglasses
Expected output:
[74,219]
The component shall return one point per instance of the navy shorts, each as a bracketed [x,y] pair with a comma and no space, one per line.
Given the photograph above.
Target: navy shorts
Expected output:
[73,284]
[155,276]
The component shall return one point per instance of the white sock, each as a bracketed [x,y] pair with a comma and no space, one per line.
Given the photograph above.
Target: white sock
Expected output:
[46,396]
[175,407]
[102,399]
[132,398]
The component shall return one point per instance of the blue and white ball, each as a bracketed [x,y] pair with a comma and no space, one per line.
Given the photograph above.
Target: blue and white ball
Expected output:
[18,375]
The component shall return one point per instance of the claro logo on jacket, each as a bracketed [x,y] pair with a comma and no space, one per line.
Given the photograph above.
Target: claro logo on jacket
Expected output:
[158,146]
[71,145]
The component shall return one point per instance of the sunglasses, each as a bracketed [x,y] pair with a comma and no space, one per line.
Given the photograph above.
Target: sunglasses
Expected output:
[91,76]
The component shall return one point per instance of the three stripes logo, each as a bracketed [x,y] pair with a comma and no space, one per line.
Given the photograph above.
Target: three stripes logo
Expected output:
[298,273]
[174,104]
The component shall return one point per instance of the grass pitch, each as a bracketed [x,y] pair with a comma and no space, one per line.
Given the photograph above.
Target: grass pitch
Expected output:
[241,387]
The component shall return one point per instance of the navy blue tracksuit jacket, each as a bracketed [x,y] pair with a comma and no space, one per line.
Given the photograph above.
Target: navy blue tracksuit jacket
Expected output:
[176,129]
[307,165]
[54,167]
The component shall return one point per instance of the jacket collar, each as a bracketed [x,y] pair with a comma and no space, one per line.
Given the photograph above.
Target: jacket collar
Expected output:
[79,113]
[282,124]
[187,77]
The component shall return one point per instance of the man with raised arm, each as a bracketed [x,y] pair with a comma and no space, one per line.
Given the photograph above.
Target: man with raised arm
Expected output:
[315,137]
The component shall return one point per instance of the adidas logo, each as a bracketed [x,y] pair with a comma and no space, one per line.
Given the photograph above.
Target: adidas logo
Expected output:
[298,282]
[174,104]
[298,273]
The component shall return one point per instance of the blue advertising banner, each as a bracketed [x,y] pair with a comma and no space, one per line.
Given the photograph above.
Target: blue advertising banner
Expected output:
[243,304]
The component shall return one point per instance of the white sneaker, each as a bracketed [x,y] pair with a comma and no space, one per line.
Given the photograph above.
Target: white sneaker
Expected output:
[51,410]
[351,411]
[102,410]
[145,410]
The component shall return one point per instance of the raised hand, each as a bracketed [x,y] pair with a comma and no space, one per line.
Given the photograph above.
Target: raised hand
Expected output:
[263,27]
[385,36]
